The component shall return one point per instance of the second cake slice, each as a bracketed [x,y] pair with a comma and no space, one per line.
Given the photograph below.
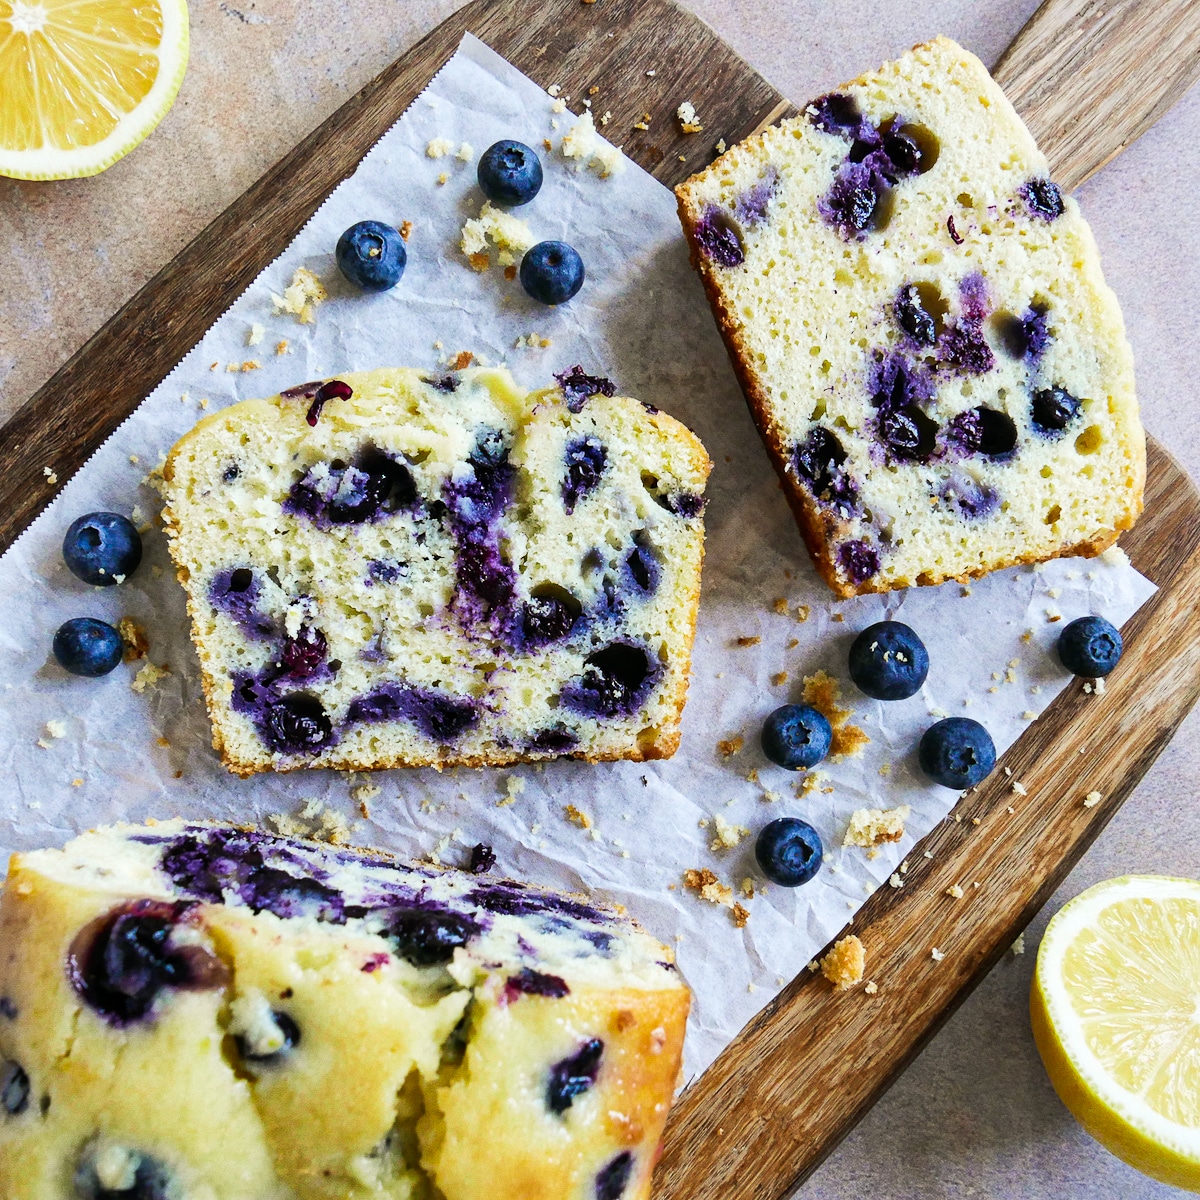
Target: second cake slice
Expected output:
[397,569]
[919,321]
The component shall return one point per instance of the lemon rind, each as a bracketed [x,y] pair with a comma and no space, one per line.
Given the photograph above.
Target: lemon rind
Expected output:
[1120,1121]
[49,163]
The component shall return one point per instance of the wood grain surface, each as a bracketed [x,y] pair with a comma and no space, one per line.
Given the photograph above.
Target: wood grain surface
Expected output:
[805,1069]
[1091,76]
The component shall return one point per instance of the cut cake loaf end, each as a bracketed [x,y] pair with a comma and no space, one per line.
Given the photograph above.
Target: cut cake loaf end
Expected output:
[919,321]
[402,569]
[202,1012]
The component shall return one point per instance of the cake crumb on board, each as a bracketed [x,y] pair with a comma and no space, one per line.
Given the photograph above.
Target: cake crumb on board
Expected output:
[845,963]
[873,826]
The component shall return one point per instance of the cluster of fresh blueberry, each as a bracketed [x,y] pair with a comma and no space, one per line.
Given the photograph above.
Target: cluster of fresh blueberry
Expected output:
[103,549]
[888,661]
[372,256]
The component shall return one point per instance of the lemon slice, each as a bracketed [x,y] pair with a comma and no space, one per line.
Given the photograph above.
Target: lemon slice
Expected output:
[1116,1017]
[84,81]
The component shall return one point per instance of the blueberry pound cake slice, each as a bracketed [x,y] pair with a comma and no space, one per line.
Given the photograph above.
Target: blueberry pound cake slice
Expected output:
[918,319]
[400,569]
[204,1012]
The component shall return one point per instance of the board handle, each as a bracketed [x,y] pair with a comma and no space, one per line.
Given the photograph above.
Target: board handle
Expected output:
[1091,76]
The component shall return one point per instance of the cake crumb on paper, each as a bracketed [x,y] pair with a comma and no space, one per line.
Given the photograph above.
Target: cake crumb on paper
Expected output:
[54,730]
[363,792]
[148,676]
[781,606]
[1018,947]
[465,152]
[406,228]
[727,835]
[728,747]
[578,817]
[133,638]
[583,144]
[845,963]
[255,334]
[741,915]
[301,296]
[509,235]
[873,826]
[748,640]
[706,885]
[438,147]
[821,690]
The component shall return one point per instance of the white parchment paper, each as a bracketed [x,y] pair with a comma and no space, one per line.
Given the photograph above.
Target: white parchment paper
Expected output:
[641,319]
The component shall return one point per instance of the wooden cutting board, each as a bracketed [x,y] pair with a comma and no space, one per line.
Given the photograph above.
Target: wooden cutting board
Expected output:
[1089,77]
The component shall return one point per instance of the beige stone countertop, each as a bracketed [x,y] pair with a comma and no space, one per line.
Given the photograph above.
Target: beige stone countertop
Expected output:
[975,1115]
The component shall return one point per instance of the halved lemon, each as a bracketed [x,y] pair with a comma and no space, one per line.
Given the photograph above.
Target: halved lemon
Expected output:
[1116,1017]
[84,81]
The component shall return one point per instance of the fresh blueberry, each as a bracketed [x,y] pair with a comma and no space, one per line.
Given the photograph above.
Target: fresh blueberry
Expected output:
[573,1076]
[796,736]
[288,1030]
[428,937]
[789,851]
[1053,409]
[1090,646]
[371,255]
[14,1088]
[889,661]
[957,753]
[100,546]
[85,646]
[552,272]
[509,173]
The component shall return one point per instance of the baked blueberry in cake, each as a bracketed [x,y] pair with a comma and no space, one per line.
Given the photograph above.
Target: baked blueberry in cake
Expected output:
[918,318]
[400,569]
[203,1012]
